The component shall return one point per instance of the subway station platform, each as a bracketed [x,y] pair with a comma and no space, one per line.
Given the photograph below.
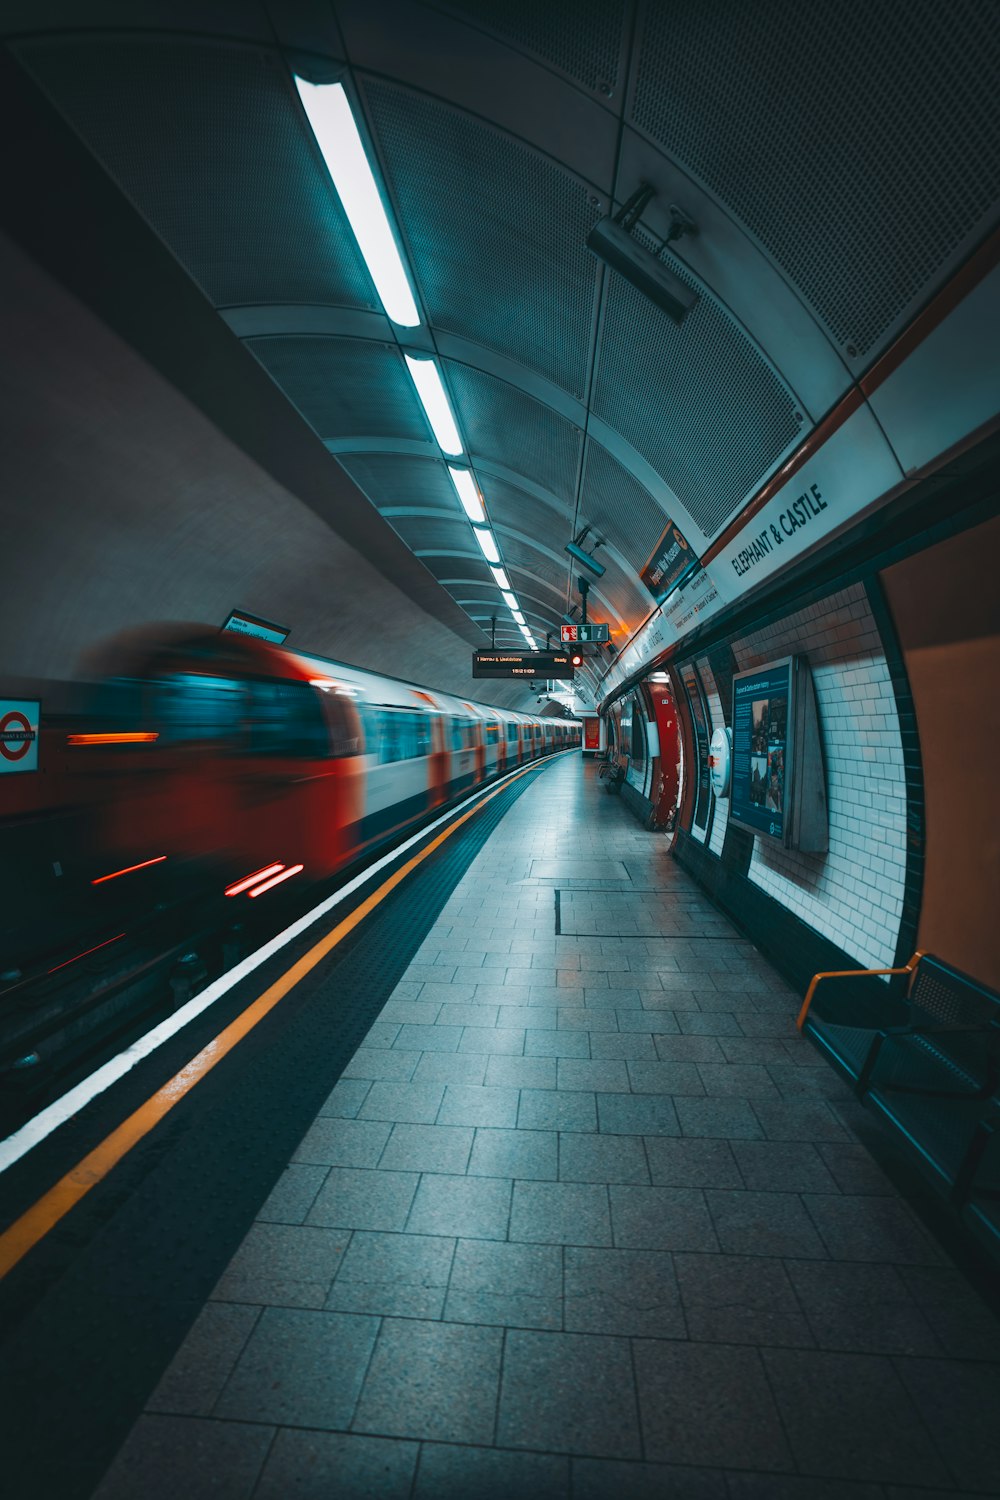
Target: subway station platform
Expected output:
[582,1217]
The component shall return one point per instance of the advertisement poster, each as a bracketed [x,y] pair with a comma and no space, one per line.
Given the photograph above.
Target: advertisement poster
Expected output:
[760,748]
[671,561]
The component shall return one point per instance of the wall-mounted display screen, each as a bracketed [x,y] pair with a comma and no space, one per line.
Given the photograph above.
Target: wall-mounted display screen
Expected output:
[761,766]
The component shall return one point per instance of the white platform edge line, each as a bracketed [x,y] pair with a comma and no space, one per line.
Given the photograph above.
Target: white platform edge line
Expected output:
[48,1120]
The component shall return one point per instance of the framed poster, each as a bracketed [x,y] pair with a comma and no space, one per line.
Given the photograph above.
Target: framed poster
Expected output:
[778,780]
[762,759]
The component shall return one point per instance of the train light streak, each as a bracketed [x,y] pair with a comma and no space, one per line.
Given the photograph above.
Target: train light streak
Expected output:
[249,880]
[128,869]
[277,879]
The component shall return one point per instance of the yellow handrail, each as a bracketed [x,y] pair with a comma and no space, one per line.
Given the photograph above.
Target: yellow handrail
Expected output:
[848,974]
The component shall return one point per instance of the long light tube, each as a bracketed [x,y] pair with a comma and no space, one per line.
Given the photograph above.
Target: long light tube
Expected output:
[465,486]
[500,577]
[510,601]
[487,544]
[329,112]
[519,618]
[434,400]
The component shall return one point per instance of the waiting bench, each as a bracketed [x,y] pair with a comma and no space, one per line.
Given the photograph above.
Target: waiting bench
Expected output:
[924,1051]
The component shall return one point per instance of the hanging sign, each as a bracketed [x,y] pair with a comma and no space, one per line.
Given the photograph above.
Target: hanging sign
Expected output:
[554,665]
[595,634]
[264,630]
[671,561]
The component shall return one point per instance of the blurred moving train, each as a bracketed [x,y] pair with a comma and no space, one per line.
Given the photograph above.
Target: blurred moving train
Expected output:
[205,765]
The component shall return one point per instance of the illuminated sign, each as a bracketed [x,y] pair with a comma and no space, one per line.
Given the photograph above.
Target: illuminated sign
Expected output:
[555,665]
[19,734]
[244,624]
[595,634]
[671,561]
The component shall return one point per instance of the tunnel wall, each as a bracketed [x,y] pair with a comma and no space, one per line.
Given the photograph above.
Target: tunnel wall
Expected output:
[122,504]
[946,607]
[814,911]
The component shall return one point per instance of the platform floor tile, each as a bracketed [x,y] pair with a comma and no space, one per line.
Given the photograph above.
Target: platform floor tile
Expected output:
[584,1218]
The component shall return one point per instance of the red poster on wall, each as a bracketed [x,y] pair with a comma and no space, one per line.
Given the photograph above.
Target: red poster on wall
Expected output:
[591,734]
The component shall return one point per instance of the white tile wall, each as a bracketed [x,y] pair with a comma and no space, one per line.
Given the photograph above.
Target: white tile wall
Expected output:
[853,894]
[720,815]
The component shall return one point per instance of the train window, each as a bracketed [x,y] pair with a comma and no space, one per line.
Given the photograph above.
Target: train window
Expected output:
[512,732]
[492,733]
[285,719]
[397,734]
[187,706]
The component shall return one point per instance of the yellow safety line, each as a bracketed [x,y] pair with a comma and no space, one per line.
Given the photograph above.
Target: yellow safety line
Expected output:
[25,1233]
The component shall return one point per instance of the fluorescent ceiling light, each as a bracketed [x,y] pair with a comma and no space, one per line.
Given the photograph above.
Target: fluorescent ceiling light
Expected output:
[329,112]
[501,577]
[434,400]
[519,617]
[468,494]
[487,543]
[511,601]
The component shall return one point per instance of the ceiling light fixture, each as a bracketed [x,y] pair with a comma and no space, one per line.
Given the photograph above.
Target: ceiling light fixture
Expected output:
[510,601]
[469,495]
[329,112]
[501,578]
[437,407]
[487,544]
[519,618]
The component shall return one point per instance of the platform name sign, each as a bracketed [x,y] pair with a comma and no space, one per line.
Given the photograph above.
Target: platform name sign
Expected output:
[243,624]
[596,635]
[672,561]
[550,665]
[19,734]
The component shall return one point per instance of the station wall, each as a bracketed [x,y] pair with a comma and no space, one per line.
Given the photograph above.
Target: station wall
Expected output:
[122,504]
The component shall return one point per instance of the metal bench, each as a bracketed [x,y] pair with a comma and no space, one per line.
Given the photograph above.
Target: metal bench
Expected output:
[924,1051]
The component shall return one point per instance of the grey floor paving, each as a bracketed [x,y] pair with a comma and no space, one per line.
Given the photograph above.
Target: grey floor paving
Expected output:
[583,1218]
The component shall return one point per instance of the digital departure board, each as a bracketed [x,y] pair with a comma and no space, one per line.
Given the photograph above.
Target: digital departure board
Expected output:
[554,665]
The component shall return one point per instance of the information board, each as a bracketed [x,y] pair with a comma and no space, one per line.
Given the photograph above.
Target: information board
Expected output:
[762,718]
[264,630]
[553,665]
[671,561]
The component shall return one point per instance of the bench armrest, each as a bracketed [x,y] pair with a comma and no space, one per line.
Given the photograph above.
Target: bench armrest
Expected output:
[819,979]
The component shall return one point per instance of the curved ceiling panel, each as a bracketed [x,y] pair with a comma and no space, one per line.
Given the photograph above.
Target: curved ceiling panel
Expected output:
[697,400]
[209,143]
[393,479]
[582,38]
[618,507]
[861,217]
[505,424]
[496,233]
[344,387]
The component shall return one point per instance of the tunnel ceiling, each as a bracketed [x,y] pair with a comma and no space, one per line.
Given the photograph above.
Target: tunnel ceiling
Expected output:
[829,201]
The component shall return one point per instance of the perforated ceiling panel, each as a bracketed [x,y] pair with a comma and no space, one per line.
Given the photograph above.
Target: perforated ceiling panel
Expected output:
[495,232]
[502,423]
[618,506]
[392,479]
[515,507]
[209,144]
[697,400]
[344,387]
[434,535]
[582,38]
[519,554]
[858,141]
